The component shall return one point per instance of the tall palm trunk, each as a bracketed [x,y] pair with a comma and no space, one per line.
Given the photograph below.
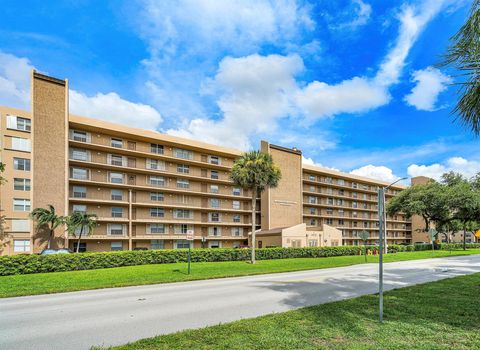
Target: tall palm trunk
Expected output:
[50,235]
[254,214]
[79,238]
[464,237]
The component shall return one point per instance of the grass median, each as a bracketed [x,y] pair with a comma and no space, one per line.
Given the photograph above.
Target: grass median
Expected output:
[437,315]
[57,282]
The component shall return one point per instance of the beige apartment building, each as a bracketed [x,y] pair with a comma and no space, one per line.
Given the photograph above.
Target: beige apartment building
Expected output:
[148,189]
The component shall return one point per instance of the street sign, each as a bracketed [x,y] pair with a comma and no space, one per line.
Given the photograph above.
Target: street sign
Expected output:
[477,234]
[190,235]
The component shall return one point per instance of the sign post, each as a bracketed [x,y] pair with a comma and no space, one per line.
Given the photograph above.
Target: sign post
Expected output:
[189,239]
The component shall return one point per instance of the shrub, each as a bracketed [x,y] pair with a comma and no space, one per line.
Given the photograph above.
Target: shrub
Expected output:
[26,264]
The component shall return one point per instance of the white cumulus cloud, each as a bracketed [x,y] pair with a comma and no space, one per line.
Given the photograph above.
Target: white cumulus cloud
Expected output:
[430,83]
[466,167]
[15,92]
[381,172]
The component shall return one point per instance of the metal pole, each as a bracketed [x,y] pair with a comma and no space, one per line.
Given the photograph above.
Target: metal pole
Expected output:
[380,265]
[189,257]
[385,225]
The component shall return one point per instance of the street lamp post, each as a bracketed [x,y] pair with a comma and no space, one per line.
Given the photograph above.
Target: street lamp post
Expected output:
[381,235]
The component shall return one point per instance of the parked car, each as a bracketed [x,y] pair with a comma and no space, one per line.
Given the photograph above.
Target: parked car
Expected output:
[140,248]
[55,251]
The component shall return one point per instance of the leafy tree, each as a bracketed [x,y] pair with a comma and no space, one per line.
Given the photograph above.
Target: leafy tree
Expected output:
[47,219]
[464,55]
[428,201]
[2,169]
[255,171]
[83,221]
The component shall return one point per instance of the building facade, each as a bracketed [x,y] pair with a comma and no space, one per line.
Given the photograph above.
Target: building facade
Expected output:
[148,189]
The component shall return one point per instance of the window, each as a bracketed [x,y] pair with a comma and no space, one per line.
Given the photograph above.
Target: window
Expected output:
[183,168]
[329,211]
[181,244]
[117,212]
[354,194]
[213,188]
[341,222]
[237,191]
[339,201]
[21,184]
[341,182]
[341,192]
[214,217]
[182,183]
[236,218]
[236,204]
[79,173]
[117,160]
[155,228]
[21,225]
[214,203]
[182,153]
[354,185]
[117,178]
[21,204]
[341,212]
[80,136]
[156,180]
[115,229]
[214,244]
[181,229]
[328,180]
[330,200]
[313,222]
[21,144]
[18,123]
[214,231]
[21,164]
[157,212]
[79,192]
[117,143]
[116,246]
[214,174]
[312,178]
[157,244]
[157,196]
[355,224]
[312,200]
[157,149]
[182,199]
[365,224]
[80,208]
[21,245]
[81,249]
[313,211]
[329,221]
[117,195]
[182,214]
[79,154]
[155,164]
[237,231]
[354,205]
[354,214]
[312,243]
[313,189]
[214,160]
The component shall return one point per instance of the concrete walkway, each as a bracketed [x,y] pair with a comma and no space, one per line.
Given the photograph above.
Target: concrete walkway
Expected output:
[116,316]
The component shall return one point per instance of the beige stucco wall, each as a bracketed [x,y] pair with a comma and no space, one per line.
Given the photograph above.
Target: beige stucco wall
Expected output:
[50,162]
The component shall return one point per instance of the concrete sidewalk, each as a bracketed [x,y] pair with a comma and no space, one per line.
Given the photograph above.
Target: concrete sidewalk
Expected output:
[116,316]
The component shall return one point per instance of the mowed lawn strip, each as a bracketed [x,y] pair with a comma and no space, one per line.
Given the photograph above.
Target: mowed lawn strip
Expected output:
[56,282]
[438,315]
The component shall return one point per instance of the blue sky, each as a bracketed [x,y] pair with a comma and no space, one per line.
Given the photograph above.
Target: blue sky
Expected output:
[351,82]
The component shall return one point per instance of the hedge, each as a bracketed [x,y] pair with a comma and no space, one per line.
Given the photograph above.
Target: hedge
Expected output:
[27,264]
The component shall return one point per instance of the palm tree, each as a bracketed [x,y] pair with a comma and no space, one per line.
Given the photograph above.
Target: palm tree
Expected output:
[255,171]
[47,218]
[84,222]
[464,55]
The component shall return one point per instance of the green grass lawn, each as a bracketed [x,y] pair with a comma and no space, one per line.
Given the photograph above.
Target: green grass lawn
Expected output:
[438,315]
[57,282]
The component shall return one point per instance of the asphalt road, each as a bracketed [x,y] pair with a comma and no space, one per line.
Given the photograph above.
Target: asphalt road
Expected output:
[117,316]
